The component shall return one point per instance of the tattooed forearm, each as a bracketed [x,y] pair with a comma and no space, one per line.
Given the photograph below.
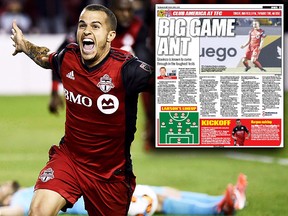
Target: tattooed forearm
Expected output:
[38,54]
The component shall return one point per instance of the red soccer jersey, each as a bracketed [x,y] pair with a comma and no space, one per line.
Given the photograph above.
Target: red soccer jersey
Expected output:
[101,108]
[256,36]
[239,132]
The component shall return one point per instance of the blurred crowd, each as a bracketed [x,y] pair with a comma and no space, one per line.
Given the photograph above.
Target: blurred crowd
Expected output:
[59,16]
[45,16]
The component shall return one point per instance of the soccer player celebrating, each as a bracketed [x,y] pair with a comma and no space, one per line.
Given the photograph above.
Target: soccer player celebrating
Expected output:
[238,133]
[101,86]
[254,43]
[132,34]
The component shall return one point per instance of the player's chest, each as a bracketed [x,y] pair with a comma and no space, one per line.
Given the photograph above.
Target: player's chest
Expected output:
[100,88]
[256,35]
[240,132]
[106,79]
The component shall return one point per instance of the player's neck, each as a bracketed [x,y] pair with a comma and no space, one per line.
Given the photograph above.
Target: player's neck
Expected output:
[98,59]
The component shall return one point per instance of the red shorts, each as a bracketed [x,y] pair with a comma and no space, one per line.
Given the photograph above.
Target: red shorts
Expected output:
[239,142]
[252,52]
[100,197]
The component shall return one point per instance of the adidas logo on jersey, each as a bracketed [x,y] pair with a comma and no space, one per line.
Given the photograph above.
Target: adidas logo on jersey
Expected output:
[70,75]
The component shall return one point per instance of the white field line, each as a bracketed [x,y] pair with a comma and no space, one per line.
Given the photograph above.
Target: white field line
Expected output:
[257,158]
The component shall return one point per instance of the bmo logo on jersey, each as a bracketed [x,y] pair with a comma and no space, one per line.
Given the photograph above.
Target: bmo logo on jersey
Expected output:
[107,103]
[77,99]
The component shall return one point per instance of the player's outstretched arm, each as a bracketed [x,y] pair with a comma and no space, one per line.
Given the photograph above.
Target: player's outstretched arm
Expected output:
[38,54]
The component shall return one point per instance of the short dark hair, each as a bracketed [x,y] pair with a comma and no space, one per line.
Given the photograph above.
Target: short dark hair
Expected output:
[111,16]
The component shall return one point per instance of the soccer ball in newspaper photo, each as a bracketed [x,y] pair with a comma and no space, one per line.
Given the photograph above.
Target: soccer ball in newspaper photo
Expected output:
[144,201]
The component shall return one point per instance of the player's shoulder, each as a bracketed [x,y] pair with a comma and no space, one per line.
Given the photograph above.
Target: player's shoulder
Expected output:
[72,46]
[244,127]
[262,31]
[120,55]
[69,48]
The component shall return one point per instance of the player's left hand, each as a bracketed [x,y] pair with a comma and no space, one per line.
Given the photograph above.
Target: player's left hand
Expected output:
[18,39]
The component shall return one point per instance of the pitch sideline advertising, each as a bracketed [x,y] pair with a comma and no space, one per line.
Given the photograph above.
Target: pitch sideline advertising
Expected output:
[205,95]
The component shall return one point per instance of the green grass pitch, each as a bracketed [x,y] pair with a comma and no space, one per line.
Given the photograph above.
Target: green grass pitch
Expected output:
[27,131]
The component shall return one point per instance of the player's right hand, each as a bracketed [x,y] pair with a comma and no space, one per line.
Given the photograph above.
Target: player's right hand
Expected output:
[18,39]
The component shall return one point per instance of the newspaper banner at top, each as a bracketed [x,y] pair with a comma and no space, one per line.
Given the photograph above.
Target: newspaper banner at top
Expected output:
[219,75]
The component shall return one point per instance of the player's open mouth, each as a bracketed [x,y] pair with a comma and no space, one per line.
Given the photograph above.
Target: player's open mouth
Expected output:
[88,45]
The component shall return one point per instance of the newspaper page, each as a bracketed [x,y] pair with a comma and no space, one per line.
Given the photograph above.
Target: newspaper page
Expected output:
[219,75]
